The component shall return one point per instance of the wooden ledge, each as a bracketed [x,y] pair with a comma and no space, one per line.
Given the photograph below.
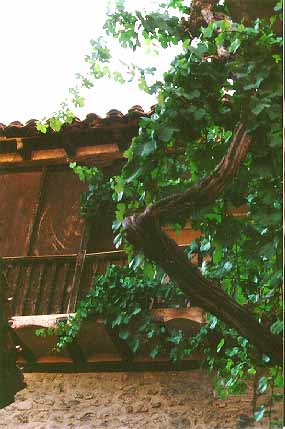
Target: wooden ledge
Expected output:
[96,344]
[194,314]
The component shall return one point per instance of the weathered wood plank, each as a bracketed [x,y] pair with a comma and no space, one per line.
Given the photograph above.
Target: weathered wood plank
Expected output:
[59,288]
[23,289]
[70,267]
[41,285]
[44,302]
[18,284]
[29,292]
[37,211]
[60,225]
[53,285]
[18,198]
[86,279]
[35,287]
[76,281]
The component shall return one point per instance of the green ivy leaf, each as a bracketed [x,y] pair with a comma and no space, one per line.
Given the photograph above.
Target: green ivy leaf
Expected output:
[154,352]
[134,343]
[220,345]
[234,46]
[124,334]
[228,266]
[277,327]
[205,247]
[262,385]
[148,148]
[259,413]
[166,134]
[149,270]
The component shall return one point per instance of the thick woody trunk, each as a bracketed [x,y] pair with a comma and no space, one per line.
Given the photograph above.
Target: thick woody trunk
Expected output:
[11,378]
[205,191]
[145,233]
[202,12]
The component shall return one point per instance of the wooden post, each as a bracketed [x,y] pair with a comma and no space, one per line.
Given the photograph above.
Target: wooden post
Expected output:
[38,210]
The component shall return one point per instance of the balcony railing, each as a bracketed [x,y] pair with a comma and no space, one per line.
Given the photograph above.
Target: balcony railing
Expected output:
[46,289]
[53,284]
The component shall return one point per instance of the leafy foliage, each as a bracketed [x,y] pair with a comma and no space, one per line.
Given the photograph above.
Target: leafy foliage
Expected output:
[99,192]
[123,298]
[230,72]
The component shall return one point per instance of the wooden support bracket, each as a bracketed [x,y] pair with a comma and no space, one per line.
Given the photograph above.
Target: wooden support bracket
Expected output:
[24,149]
[69,146]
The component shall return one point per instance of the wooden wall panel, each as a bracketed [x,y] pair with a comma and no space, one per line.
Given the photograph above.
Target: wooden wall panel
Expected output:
[60,225]
[19,194]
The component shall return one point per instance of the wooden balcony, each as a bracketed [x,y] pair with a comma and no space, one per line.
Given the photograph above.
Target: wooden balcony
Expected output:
[42,285]
[46,289]
[51,255]
[53,284]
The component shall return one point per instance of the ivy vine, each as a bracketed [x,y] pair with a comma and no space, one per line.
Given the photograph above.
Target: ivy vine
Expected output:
[230,71]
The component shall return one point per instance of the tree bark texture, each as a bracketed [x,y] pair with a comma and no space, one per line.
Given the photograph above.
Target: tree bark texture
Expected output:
[144,232]
[11,378]
[202,13]
[205,191]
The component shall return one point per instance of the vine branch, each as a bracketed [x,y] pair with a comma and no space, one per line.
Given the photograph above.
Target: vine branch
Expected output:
[205,191]
[145,233]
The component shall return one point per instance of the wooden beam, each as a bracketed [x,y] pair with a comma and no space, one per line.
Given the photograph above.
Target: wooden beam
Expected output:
[102,154]
[194,314]
[39,207]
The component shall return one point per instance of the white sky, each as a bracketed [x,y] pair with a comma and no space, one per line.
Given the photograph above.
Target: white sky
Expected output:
[43,44]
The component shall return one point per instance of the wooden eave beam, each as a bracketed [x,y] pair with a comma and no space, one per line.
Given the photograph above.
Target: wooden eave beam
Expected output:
[102,155]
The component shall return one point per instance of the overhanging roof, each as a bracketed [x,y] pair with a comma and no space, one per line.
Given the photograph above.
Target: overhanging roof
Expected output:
[102,138]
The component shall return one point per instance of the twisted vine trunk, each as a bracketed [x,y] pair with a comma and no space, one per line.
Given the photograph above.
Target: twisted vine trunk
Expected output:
[145,233]
[11,378]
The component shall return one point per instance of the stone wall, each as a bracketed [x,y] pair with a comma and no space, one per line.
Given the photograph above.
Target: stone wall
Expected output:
[150,400]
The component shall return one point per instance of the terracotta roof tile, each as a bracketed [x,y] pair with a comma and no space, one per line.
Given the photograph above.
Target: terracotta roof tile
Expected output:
[92,120]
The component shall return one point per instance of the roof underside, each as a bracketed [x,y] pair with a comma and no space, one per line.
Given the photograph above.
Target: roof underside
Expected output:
[51,254]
